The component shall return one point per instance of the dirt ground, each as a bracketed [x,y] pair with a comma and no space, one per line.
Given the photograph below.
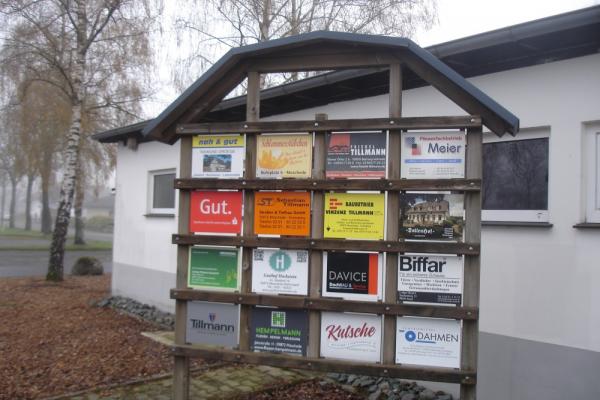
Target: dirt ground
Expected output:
[53,340]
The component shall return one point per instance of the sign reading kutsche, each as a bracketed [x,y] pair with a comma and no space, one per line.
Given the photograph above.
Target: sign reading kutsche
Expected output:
[282,213]
[216,212]
[351,336]
[279,271]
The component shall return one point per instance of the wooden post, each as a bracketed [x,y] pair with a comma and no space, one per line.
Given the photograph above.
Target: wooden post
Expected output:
[252,115]
[393,205]
[470,330]
[316,256]
[181,372]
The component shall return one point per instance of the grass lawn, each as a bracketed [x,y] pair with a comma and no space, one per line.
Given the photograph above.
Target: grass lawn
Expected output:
[39,241]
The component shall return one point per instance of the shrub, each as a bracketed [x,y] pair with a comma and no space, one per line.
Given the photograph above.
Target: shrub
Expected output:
[87,266]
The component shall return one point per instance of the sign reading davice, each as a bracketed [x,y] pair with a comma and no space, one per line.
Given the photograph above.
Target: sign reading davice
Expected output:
[216,212]
[284,156]
[356,155]
[354,216]
[212,323]
[431,216]
[433,155]
[353,275]
[280,271]
[278,330]
[351,336]
[282,213]
[218,156]
[428,341]
[430,278]
[214,268]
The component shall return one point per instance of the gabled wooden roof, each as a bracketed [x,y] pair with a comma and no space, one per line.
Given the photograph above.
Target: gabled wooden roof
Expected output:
[324,50]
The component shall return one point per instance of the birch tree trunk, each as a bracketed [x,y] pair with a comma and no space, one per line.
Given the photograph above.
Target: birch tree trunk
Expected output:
[3,201]
[13,202]
[79,197]
[46,217]
[30,180]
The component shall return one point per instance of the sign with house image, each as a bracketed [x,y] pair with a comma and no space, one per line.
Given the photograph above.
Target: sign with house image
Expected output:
[431,216]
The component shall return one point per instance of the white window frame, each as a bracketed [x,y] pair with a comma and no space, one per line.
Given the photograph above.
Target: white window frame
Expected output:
[591,157]
[541,216]
[151,176]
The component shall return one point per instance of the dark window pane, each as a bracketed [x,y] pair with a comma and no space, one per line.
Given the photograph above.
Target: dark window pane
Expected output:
[164,191]
[515,175]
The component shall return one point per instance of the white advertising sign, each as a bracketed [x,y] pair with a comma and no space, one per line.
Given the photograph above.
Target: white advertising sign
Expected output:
[433,342]
[433,155]
[280,271]
[428,278]
[218,156]
[351,336]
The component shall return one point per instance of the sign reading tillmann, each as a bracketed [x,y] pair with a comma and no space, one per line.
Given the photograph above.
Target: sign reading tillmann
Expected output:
[431,216]
[354,216]
[212,323]
[279,271]
[218,156]
[430,278]
[278,330]
[356,155]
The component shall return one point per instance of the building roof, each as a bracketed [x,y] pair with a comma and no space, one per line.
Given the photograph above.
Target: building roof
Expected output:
[550,39]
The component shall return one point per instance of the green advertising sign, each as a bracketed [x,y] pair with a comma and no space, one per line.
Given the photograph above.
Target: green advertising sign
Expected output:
[213,268]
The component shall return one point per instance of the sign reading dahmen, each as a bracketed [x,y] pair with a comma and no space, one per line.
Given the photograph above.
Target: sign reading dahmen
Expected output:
[430,278]
[433,155]
[428,341]
[216,212]
[279,271]
[282,213]
[212,323]
[352,275]
[350,336]
[354,216]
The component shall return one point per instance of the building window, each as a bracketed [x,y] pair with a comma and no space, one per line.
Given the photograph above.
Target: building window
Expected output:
[162,192]
[515,177]
[592,173]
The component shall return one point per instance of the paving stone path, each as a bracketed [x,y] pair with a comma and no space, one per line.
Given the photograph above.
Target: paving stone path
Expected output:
[223,383]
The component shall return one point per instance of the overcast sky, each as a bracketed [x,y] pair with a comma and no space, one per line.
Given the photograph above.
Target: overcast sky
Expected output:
[456,19]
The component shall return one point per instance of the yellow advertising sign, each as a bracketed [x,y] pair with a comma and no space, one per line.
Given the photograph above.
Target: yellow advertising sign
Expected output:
[218,141]
[284,156]
[354,215]
[282,213]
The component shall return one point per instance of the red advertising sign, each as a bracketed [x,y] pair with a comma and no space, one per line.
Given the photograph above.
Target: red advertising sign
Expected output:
[216,212]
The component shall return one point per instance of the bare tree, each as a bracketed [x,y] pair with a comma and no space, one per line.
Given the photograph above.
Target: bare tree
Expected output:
[90,50]
[222,24]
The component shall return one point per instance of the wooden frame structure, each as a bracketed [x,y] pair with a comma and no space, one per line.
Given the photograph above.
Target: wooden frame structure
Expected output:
[327,56]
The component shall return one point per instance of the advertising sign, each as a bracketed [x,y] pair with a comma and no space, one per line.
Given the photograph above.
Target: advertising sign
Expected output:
[354,216]
[431,216]
[353,275]
[428,278]
[282,213]
[433,342]
[279,271]
[278,330]
[212,323]
[356,155]
[216,212]
[284,156]
[433,155]
[214,268]
[351,336]
[218,156]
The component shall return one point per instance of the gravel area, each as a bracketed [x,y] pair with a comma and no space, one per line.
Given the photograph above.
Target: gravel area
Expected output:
[53,339]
